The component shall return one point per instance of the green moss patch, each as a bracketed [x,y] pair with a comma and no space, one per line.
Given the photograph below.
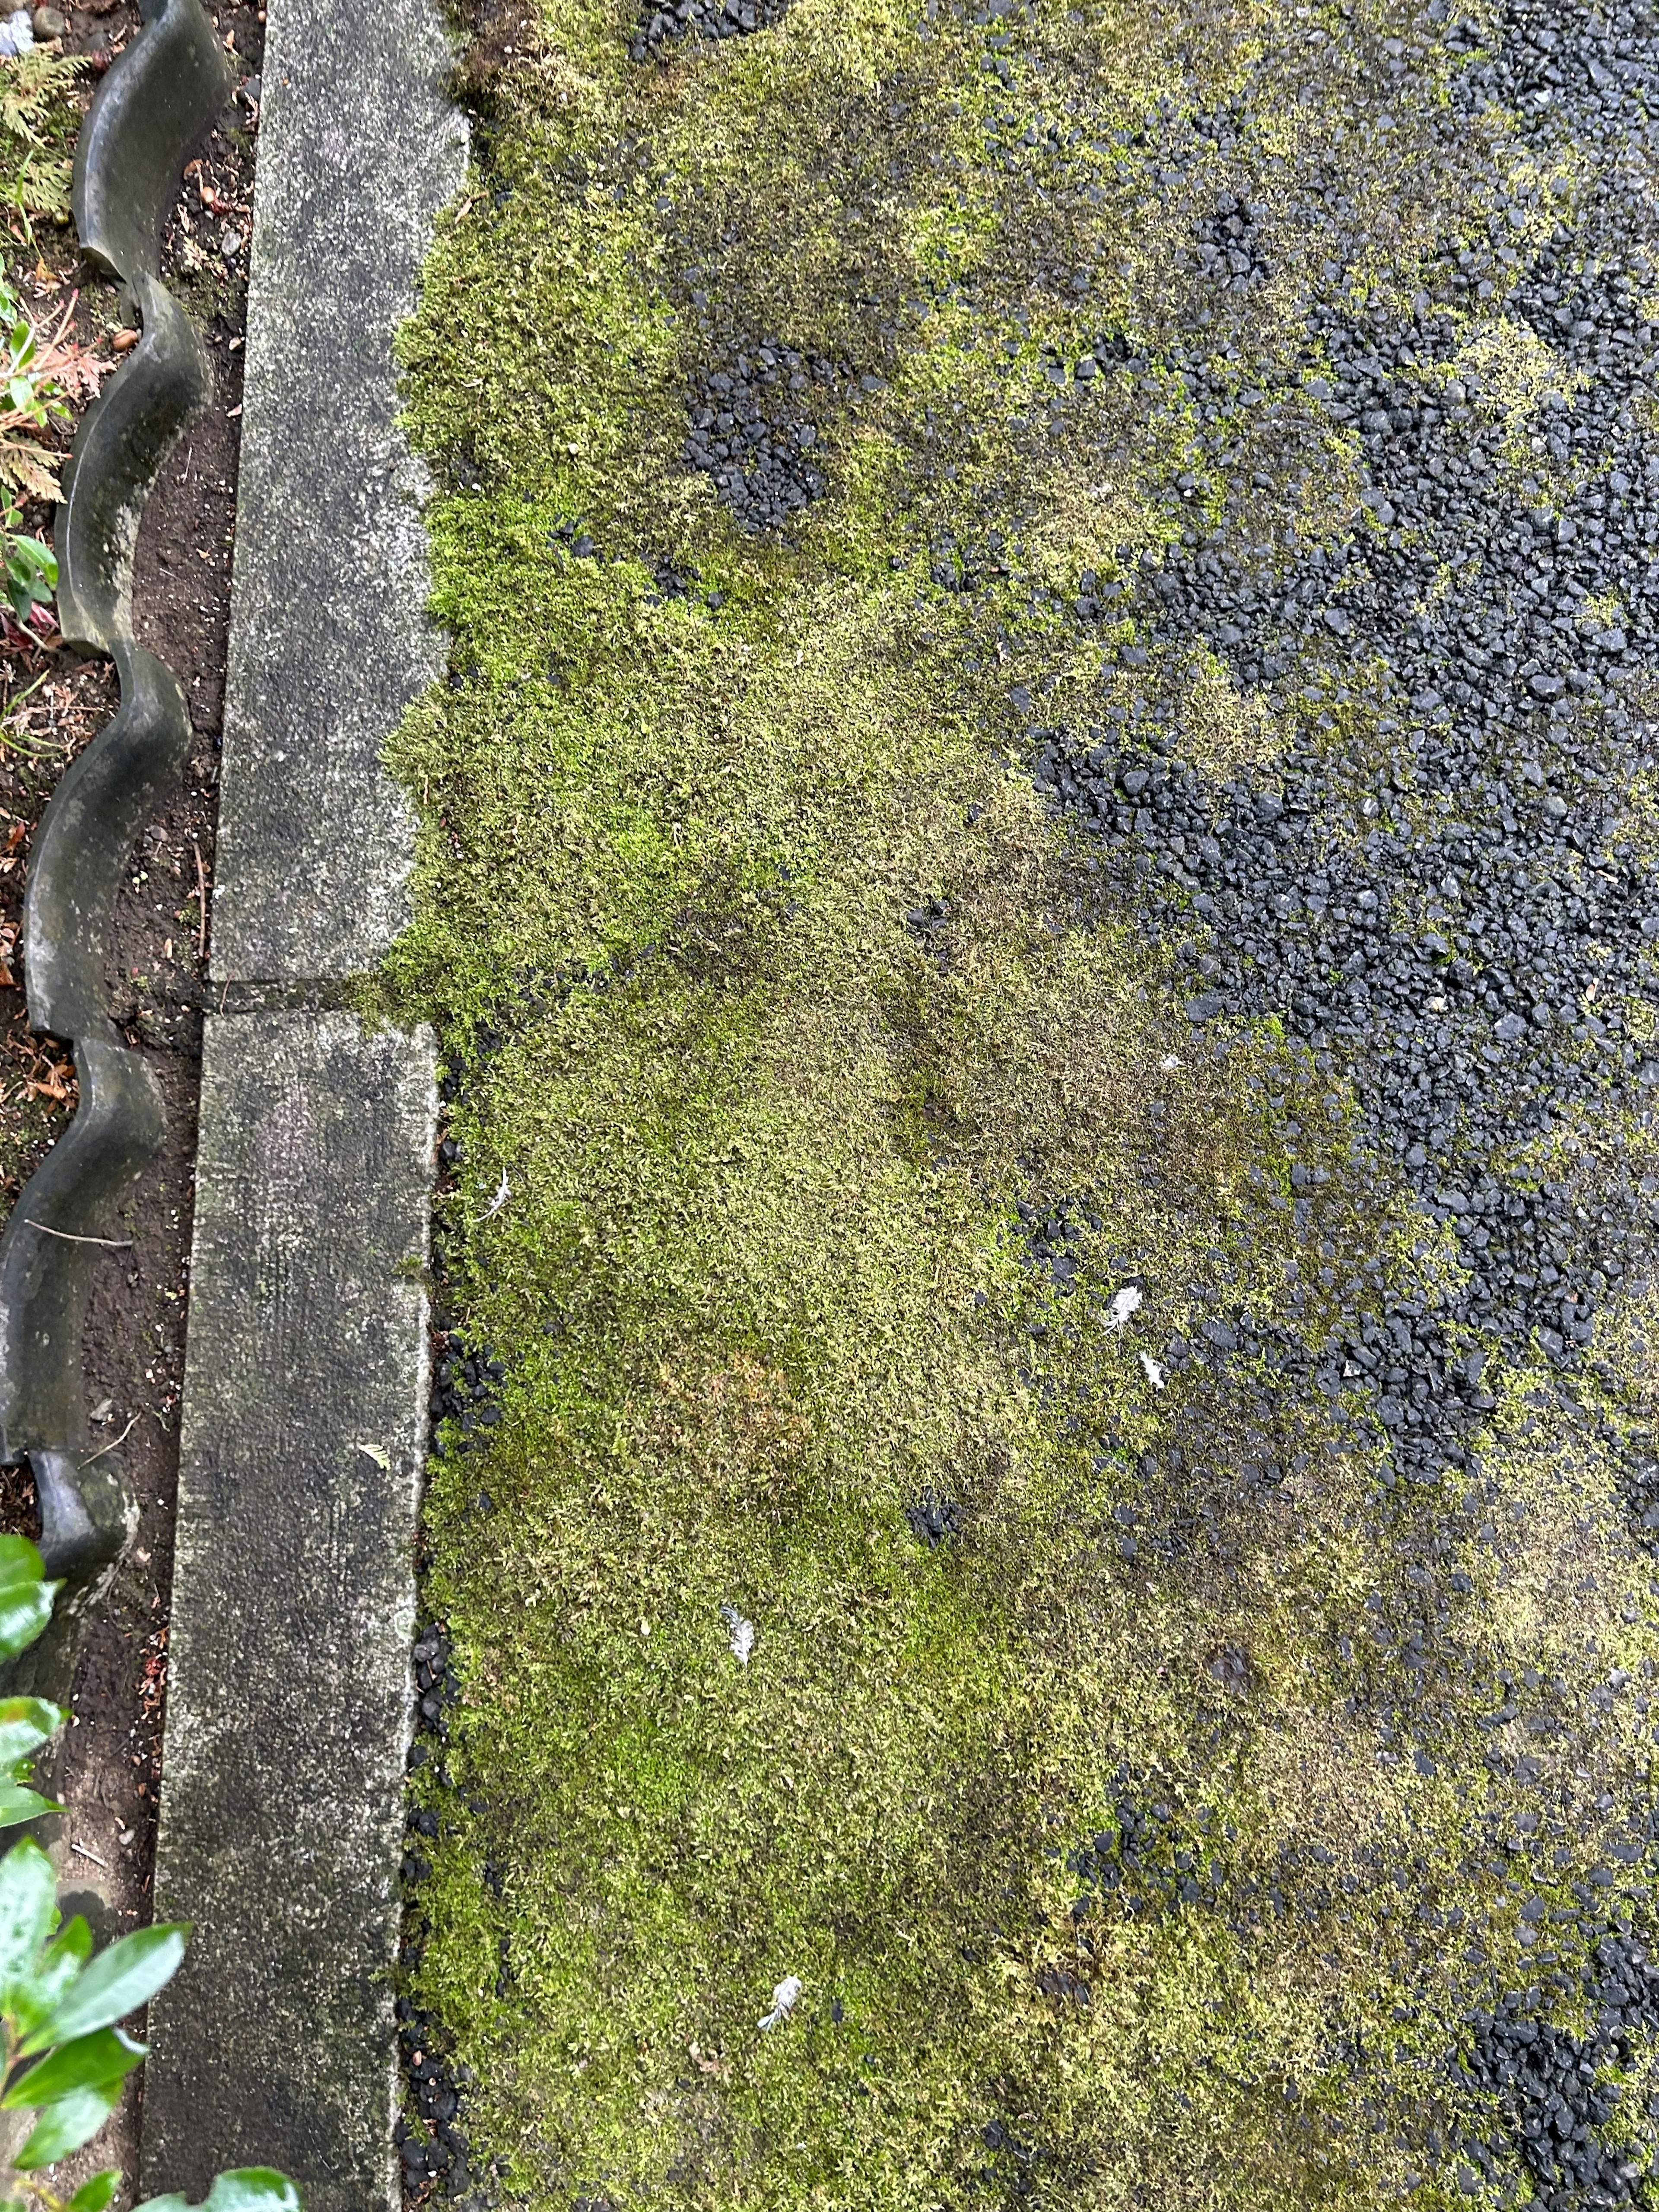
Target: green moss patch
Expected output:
[937,1537]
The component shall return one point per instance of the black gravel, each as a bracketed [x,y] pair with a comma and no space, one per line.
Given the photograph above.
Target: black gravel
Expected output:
[660,27]
[753,431]
[932,1518]
[1436,889]
[463,1408]
[1543,2097]
[464,1403]
[1549,2090]
[432,2151]
[1052,1238]
[464,1392]
[1440,893]
[431,2148]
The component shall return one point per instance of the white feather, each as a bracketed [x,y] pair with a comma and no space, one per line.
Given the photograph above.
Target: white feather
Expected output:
[784,1997]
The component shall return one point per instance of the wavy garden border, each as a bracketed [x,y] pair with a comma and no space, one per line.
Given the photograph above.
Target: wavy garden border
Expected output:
[155,103]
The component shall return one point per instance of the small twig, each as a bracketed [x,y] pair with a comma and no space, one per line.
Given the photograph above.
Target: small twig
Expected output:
[114,1441]
[201,900]
[81,1851]
[111,1243]
[57,338]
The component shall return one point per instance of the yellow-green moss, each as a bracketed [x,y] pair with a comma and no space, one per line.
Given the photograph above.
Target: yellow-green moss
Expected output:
[756,1272]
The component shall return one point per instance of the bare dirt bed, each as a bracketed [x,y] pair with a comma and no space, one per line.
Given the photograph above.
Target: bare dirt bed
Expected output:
[53,702]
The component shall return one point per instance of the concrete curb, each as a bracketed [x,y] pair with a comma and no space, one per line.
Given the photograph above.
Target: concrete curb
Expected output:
[304,1422]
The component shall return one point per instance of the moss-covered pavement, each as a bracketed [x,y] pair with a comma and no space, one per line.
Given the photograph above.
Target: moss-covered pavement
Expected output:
[1035,880]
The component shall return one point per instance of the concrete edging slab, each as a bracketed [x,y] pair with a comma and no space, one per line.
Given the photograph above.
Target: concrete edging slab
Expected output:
[288,1706]
[304,1421]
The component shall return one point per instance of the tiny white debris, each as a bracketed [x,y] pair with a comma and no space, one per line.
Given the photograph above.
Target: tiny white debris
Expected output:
[17,33]
[498,1201]
[1152,1371]
[1124,1302]
[784,1997]
[743,1633]
[1168,1063]
[373,1452]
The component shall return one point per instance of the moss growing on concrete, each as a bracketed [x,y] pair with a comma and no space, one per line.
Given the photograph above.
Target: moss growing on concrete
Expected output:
[937,1540]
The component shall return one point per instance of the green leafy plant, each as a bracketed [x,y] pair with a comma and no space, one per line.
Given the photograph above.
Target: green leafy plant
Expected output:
[31,566]
[40,376]
[37,128]
[64,2055]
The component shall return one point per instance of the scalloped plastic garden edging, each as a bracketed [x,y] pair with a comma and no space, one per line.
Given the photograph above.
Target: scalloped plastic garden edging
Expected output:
[155,103]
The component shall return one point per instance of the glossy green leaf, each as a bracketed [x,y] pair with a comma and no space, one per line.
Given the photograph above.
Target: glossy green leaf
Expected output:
[93,2194]
[25,1724]
[19,1562]
[91,2062]
[243,2189]
[29,1907]
[37,1713]
[64,2126]
[73,1940]
[252,2188]
[18,1803]
[117,1981]
[37,1997]
[31,575]
[25,1599]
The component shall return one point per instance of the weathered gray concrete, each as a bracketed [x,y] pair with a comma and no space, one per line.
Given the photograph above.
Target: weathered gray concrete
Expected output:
[329,639]
[293,1609]
[304,1425]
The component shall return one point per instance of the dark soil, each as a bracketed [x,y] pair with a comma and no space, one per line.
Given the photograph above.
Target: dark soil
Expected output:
[501,32]
[135,1335]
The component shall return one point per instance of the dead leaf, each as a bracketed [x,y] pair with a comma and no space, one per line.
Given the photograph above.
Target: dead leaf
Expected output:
[25,465]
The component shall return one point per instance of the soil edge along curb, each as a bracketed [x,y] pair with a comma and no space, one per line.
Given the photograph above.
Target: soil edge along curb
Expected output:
[160,98]
[304,1417]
